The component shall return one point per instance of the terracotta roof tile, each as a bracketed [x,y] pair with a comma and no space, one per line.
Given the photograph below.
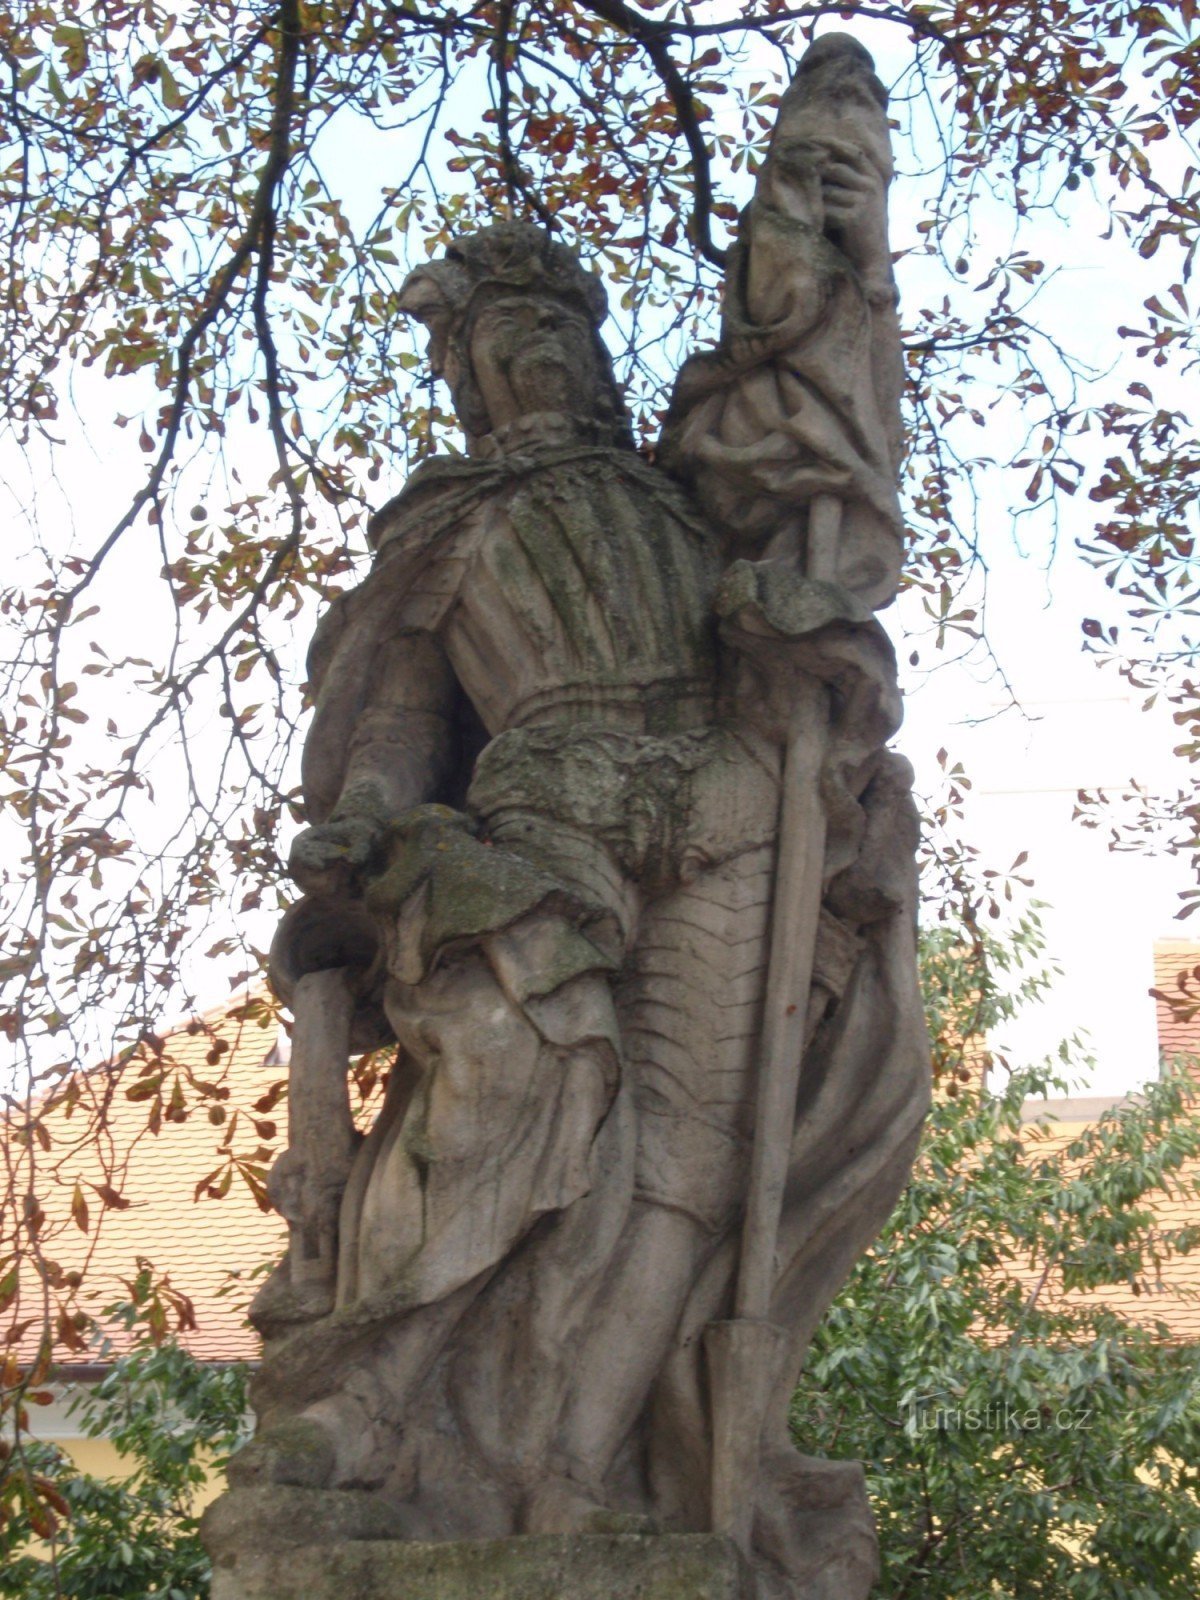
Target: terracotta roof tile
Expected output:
[1177,996]
[198,1242]
[1173,1299]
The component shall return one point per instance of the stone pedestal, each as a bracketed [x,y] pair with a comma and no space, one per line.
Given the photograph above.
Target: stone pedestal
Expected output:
[284,1544]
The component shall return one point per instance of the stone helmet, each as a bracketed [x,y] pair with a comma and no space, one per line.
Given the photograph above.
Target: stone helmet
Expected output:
[507,258]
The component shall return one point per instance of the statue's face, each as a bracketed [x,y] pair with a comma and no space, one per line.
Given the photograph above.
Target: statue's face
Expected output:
[531,353]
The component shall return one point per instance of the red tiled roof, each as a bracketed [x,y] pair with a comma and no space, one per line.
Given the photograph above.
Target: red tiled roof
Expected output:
[1177,996]
[198,1241]
[1173,1296]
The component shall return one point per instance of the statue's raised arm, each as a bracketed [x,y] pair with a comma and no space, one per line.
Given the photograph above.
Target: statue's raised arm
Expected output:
[801,397]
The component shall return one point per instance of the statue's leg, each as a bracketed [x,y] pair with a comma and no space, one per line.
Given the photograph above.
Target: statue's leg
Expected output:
[690,1014]
[498,1130]
[507,1121]
[515,1354]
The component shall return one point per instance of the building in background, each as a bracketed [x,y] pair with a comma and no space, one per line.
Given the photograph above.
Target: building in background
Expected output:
[212,1247]
[1104,911]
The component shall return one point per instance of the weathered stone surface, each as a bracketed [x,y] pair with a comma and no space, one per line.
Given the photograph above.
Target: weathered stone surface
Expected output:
[606,839]
[273,1518]
[536,1567]
[579,1567]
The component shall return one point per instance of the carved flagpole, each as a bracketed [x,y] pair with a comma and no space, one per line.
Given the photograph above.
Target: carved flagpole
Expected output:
[743,1353]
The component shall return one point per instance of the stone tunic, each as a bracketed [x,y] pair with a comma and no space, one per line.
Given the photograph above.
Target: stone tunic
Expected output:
[566,596]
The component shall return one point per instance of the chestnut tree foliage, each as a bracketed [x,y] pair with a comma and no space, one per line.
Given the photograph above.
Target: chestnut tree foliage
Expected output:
[207,210]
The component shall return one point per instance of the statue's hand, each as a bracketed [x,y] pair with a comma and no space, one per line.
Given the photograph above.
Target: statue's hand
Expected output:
[854,194]
[326,859]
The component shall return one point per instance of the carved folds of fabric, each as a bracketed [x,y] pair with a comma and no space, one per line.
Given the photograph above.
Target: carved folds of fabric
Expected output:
[444,889]
[785,410]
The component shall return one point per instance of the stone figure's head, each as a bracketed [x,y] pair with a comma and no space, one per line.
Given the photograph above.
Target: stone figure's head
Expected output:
[513,323]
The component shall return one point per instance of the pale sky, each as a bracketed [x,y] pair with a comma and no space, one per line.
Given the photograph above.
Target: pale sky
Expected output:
[1078,727]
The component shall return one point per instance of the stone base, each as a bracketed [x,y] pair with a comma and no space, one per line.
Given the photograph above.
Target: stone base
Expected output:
[618,1566]
[613,1566]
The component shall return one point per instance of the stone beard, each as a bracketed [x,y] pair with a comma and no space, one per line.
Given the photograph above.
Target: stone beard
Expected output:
[553,799]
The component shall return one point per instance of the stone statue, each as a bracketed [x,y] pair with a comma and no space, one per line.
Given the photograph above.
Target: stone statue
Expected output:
[606,841]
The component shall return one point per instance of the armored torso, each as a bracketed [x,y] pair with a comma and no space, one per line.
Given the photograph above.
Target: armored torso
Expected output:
[579,593]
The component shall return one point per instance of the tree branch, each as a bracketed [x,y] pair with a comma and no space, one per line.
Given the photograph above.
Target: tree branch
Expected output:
[653,38]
